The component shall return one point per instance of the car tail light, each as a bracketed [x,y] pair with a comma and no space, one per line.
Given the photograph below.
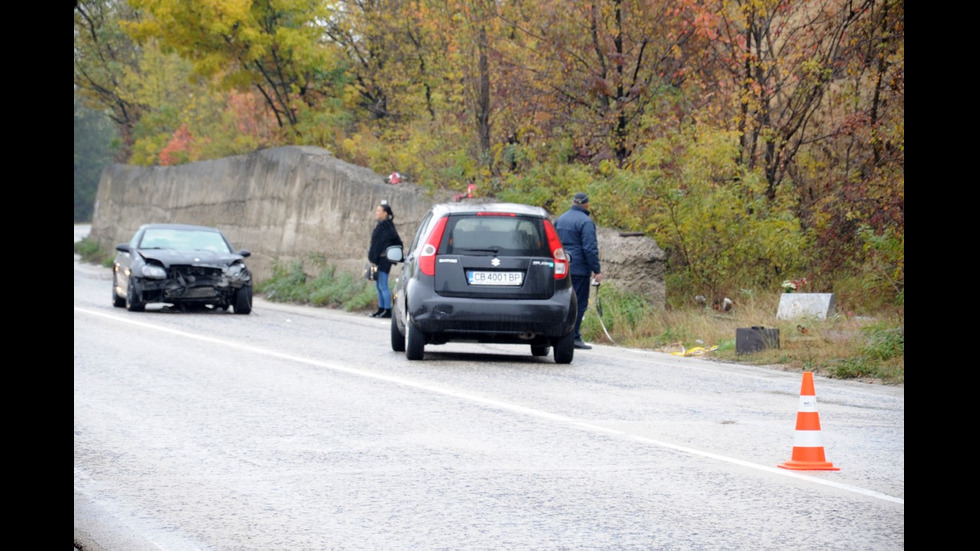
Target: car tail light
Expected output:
[427,258]
[557,251]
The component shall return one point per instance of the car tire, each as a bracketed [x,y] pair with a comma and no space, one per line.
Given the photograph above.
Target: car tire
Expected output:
[134,299]
[243,300]
[117,301]
[540,350]
[414,341]
[397,339]
[565,349]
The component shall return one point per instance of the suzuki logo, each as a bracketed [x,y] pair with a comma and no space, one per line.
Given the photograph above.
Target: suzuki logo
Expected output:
[495,262]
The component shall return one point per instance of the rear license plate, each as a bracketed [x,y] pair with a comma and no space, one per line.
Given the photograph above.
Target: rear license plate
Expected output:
[495,278]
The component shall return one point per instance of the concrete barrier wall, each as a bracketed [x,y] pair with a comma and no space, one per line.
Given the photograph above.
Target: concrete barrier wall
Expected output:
[295,203]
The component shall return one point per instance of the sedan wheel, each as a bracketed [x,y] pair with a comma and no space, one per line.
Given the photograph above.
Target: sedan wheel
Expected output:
[243,300]
[537,350]
[117,301]
[134,298]
[415,341]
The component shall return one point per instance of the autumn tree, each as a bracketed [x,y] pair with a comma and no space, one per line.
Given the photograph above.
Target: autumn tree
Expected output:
[815,90]
[276,46]
[107,66]
[421,82]
[470,34]
[595,68]
[372,36]
[777,61]
[857,203]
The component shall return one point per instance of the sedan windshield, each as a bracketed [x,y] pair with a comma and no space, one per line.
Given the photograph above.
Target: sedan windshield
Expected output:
[184,240]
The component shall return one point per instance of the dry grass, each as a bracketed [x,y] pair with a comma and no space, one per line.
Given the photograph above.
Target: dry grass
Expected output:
[867,348]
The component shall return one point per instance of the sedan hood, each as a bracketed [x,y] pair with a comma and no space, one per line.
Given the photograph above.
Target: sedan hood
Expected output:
[169,257]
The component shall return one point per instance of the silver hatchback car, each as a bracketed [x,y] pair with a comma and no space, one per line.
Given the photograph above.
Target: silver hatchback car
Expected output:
[489,273]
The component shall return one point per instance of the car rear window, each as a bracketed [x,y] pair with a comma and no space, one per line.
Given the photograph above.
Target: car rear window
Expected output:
[509,235]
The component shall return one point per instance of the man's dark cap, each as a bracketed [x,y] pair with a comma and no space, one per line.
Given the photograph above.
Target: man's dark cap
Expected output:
[581,198]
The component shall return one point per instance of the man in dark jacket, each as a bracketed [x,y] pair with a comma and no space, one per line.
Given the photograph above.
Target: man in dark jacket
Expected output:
[578,236]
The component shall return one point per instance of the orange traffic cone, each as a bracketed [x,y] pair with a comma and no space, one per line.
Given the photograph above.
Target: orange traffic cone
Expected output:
[807,450]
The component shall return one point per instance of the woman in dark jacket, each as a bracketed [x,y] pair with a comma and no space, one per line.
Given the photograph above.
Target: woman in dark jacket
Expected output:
[384,235]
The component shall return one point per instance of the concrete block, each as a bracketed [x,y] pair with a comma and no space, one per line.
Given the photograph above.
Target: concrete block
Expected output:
[817,306]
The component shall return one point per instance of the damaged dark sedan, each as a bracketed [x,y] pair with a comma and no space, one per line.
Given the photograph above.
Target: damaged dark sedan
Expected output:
[187,266]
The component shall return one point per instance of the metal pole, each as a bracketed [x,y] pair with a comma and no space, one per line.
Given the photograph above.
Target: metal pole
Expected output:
[598,308]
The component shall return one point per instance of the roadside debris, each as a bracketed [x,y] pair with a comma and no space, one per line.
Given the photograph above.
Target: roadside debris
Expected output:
[678,349]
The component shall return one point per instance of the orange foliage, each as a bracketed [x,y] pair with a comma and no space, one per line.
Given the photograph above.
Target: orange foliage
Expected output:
[250,115]
[178,149]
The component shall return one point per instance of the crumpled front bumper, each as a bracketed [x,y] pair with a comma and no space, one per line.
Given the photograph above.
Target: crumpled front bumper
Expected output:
[196,284]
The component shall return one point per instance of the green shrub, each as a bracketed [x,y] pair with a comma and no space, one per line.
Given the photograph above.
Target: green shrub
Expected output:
[287,284]
[884,342]
[623,313]
[328,288]
[91,253]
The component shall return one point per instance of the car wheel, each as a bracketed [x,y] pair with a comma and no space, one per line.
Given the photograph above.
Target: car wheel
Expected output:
[397,339]
[540,350]
[134,299]
[565,349]
[243,300]
[414,341]
[117,301]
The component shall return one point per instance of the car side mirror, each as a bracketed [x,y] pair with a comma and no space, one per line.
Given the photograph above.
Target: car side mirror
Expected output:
[245,253]
[123,247]
[394,253]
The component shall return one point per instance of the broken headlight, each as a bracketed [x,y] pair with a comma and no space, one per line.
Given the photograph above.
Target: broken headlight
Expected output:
[154,272]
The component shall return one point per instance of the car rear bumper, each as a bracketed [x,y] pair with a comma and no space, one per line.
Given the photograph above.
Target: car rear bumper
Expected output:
[492,320]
